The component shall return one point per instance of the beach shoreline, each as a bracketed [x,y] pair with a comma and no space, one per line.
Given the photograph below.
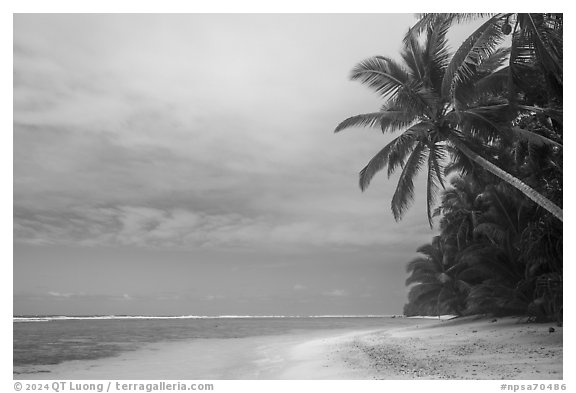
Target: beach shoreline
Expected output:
[463,348]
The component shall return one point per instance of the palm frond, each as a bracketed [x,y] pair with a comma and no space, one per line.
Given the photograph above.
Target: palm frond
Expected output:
[436,53]
[419,101]
[421,277]
[402,120]
[385,120]
[435,159]
[424,293]
[534,138]
[404,146]
[382,74]
[490,80]
[494,61]
[470,55]
[427,19]
[555,114]
[390,80]
[413,57]
[491,231]
[404,194]
[402,143]
[488,121]
[431,250]
[495,83]
[537,41]
[545,39]
[420,263]
[491,261]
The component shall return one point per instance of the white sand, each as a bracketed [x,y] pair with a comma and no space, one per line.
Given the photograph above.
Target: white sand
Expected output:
[430,349]
[464,348]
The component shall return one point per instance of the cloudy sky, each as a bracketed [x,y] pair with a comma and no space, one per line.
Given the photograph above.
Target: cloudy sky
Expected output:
[186,164]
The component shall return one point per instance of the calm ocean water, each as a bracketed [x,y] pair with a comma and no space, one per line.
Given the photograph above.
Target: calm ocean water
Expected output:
[56,341]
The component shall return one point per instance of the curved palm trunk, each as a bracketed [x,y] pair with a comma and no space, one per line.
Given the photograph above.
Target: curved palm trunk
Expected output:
[513,181]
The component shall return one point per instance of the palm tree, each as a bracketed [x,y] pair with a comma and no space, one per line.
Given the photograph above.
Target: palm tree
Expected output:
[508,251]
[459,211]
[446,107]
[494,258]
[536,43]
[437,290]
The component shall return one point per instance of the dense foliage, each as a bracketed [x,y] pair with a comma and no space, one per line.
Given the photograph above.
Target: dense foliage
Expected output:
[486,121]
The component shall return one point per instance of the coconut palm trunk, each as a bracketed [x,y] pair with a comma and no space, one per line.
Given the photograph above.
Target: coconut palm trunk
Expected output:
[535,196]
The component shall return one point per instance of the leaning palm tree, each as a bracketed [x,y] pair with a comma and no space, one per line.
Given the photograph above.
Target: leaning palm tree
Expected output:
[446,107]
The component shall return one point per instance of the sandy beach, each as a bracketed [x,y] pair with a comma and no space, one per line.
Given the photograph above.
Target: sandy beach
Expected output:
[464,348]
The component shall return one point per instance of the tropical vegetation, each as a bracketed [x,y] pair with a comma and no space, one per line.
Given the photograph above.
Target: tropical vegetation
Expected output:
[485,126]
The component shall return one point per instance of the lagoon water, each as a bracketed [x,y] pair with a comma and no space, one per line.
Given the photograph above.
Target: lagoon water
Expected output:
[51,341]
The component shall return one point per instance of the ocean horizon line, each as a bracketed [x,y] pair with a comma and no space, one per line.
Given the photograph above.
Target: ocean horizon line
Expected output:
[39,318]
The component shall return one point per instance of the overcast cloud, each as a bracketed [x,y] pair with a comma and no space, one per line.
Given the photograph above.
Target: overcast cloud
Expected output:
[193,130]
[204,142]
